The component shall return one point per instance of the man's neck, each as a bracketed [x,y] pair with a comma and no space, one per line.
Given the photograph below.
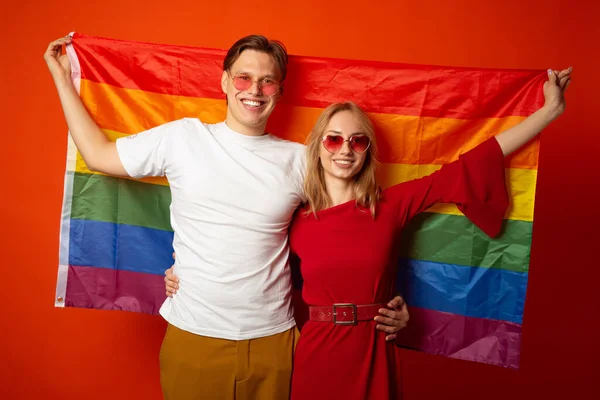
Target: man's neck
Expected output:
[244,129]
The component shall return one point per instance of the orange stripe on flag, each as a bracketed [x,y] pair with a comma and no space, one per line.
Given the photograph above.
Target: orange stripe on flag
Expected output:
[401,139]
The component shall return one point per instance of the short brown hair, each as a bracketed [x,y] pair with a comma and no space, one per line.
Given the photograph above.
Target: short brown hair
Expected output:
[274,48]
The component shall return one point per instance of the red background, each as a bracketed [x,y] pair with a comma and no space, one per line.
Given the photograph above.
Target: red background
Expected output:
[54,353]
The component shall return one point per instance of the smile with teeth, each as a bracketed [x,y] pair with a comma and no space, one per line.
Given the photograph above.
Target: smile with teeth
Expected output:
[344,162]
[252,103]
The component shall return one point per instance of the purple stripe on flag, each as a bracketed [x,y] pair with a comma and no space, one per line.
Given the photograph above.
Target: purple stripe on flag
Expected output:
[109,289]
[467,338]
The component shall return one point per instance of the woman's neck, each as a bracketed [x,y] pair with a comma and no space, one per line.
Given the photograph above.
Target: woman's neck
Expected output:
[339,190]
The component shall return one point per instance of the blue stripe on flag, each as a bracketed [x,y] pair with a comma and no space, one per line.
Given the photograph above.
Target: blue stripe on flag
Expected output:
[470,291]
[120,246]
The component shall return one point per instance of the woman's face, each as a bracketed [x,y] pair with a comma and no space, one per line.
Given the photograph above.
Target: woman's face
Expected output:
[344,150]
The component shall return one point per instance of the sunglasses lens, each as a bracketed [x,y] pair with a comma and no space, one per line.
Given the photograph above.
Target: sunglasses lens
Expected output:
[359,143]
[333,143]
[242,82]
[269,88]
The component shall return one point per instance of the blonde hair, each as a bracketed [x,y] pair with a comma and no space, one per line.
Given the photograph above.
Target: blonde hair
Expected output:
[366,190]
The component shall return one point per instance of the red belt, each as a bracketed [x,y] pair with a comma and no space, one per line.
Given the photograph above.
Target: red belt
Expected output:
[344,313]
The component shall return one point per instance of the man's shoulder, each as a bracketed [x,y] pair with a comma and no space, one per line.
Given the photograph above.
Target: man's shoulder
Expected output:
[190,124]
[289,145]
[179,125]
[181,129]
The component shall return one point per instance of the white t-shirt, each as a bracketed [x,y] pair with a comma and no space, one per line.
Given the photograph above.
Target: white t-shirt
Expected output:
[233,198]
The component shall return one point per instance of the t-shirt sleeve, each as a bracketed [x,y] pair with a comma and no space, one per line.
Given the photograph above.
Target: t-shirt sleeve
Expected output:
[302,176]
[475,183]
[147,153]
[300,172]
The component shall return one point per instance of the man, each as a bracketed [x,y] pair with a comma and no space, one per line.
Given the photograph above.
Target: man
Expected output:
[234,188]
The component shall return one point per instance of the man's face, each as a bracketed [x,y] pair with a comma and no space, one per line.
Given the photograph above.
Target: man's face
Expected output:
[249,86]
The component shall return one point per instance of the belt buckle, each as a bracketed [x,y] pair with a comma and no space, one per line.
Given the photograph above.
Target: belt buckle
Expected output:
[352,306]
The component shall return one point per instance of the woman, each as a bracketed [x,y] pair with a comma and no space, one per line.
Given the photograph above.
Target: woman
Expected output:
[346,239]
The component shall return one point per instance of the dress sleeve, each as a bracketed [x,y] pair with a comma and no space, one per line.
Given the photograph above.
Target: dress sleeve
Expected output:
[475,183]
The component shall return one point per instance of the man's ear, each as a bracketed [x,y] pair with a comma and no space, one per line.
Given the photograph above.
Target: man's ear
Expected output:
[224,82]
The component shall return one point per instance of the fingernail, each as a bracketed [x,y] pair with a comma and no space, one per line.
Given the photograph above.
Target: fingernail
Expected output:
[549,72]
[381,310]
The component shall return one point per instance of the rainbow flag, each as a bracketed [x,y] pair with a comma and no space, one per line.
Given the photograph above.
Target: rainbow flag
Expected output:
[466,291]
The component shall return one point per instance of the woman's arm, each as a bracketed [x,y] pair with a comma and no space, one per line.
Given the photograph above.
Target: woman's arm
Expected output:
[554,91]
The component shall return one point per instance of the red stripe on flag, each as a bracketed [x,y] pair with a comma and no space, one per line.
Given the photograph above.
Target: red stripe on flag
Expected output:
[416,90]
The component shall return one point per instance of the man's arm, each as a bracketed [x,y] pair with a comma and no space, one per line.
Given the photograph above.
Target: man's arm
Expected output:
[99,153]
[393,319]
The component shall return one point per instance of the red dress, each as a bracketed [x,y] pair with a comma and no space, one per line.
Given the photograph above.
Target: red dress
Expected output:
[346,256]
